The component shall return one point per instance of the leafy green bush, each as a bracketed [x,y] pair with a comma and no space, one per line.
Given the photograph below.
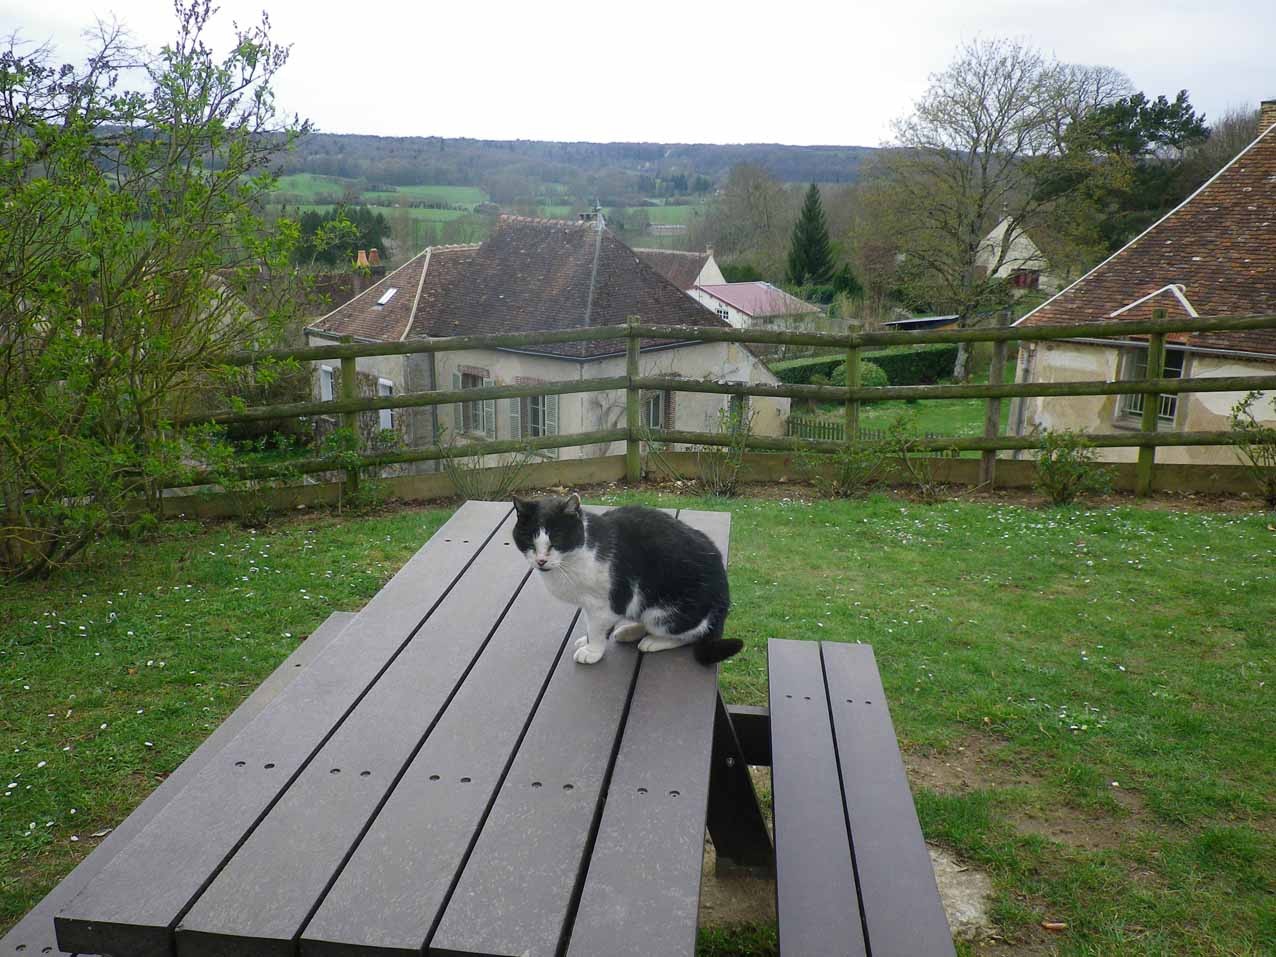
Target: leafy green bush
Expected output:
[1067,468]
[802,371]
[852,471]
[871,375]
[916,365]
[903,365]
[719,465]
[1257,448]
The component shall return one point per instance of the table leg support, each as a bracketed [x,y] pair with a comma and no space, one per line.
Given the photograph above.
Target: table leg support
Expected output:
[735,818]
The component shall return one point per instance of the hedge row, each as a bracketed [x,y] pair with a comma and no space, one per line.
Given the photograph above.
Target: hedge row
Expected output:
[903,365]
[917,365]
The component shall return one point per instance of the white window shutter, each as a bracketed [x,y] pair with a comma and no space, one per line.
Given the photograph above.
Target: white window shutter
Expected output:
[551,415]
[516,418]
[489,413]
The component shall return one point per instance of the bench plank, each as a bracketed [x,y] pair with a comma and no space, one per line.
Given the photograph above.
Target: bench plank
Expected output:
[132,905]
[34,933]
[391,892]
[516,889]
[816,897]
[902,909]
[274,881]
[650,846]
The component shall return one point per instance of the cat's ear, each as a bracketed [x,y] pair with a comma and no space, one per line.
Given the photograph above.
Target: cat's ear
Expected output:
[573,505]
[522,505]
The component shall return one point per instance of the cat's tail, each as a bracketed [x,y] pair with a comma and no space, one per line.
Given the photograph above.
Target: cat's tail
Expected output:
[709,651]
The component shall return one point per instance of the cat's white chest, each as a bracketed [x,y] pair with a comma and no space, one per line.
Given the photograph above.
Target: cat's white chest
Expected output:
[580,579]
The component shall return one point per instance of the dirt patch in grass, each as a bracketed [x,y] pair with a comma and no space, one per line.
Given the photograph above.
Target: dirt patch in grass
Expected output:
[980,762]
[970,765]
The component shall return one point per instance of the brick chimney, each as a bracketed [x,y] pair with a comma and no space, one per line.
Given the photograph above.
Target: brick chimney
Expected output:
[374,257]
[1266,115]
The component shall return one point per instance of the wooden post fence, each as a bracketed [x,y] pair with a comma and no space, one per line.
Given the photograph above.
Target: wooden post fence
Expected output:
[350,420]
[1151,409]
[992,415]
[633,421]
[852,431]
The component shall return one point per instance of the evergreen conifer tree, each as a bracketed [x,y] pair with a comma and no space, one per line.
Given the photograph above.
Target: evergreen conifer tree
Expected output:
[811,253]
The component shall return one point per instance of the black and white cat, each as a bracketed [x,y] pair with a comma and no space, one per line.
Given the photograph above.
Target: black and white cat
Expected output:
[637,573]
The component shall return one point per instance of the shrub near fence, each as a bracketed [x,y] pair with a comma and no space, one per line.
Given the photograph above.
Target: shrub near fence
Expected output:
[903,365]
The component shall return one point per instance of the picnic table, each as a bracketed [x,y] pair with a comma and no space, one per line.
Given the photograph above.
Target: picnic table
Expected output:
[434,774]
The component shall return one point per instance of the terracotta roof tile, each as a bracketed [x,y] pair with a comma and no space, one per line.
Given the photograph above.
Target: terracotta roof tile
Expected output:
[530,275]
[1217,249]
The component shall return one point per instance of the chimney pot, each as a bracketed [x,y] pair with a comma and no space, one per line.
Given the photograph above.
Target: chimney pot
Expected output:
[374,257]
[361,261]
[1266,115]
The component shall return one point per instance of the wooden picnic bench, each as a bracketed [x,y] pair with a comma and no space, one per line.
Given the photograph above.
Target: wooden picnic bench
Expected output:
[435,775]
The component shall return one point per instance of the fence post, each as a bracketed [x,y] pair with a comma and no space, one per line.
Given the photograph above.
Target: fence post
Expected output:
[1151,407]
[852,431]
[633,451]
[350,420]
[992,414]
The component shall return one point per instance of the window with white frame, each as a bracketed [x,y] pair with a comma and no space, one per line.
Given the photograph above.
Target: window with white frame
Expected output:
[534,416]
[477,417]
[385,388]
[327,381]
[1135,367]
[652,410]
[724,314]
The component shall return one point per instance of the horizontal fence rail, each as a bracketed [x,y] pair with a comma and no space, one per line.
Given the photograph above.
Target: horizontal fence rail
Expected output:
[803,433]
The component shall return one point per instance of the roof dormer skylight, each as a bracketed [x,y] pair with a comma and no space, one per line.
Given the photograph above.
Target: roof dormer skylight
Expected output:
[387,295]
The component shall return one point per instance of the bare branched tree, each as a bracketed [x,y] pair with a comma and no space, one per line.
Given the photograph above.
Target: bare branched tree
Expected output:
[983,144]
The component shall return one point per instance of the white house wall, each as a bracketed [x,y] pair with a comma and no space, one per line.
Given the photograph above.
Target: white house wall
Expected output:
[710,274]
[1076,362]
[581,411]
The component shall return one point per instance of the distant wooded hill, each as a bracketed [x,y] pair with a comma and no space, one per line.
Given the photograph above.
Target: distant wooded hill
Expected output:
[517,169]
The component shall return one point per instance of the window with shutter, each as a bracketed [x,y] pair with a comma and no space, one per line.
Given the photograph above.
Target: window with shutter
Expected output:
[385,388]
[326,382]
[489,413]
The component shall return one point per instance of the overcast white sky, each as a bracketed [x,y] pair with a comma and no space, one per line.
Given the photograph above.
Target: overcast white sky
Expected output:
[706,72]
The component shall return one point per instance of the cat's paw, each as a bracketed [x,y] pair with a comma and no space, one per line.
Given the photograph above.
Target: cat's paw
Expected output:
[653,644]
[631,632]
[581,641]
[588,655]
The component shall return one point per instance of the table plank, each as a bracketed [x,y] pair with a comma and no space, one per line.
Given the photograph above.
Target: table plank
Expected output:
[390,894]
[34,933]
[517,887]
[648,853]
[902,909]
[136,900]
[817,900]
[276,879]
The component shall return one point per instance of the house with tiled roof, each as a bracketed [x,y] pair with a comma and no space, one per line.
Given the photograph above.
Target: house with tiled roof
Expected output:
[753,305]
[534,275]
[1214,255]
[686,270]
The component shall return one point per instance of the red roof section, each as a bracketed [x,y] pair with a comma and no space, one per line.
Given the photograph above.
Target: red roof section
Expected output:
[759,299]
[1215,255]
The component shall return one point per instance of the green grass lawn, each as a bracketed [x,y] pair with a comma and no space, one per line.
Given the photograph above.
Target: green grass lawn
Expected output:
[457,195]
[956,417]
[673,215]
[1103,679]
